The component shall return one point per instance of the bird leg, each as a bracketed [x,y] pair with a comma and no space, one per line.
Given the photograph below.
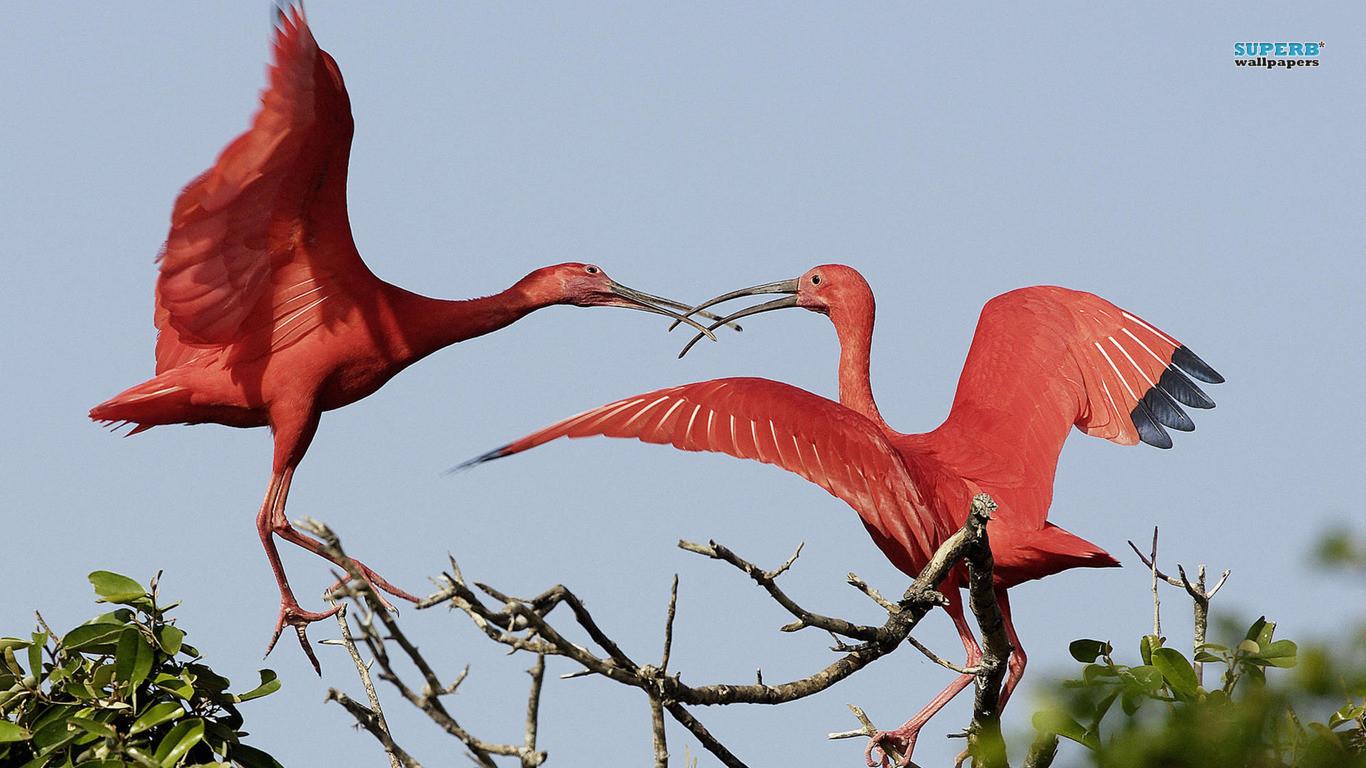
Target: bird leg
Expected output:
[290,612]
[1018,659]
[281,526]
[902,739]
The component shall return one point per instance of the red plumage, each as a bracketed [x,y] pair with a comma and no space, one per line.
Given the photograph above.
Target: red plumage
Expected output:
[266,313]
[1043,360]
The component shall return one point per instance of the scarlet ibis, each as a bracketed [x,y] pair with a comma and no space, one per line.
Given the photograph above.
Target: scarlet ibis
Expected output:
[1043,359]
[267,314]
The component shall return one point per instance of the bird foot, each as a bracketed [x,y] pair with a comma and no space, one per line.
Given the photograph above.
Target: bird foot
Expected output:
[885,746]
[294,616]
[376,583]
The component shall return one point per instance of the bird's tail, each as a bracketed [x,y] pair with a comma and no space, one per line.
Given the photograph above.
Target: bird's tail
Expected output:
[1069,550]
[144,406]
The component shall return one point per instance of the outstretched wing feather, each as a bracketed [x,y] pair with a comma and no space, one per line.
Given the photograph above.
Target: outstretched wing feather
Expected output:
[775,423]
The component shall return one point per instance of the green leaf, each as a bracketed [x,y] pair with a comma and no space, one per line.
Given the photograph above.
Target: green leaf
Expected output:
[1249,648]
[171,639]
[1058,722]
[1281,653]
[1146,646]
[35,654]
[102,676]
[269,684]
[251,757]
[11,732]
[1261,631]
[12,642]
[94,727]
[115,588]
[175,685]
[1087,651]
[134,658]
[11,663]
[178,741]
[1177,672]
[90,635]
[1132,700]
[1148,678]
[1092,673]
[206,679]
[1347,714]
[155,715]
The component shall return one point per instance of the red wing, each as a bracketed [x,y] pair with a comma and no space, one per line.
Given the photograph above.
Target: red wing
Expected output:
[261,239]
[824,442]
[1045,359]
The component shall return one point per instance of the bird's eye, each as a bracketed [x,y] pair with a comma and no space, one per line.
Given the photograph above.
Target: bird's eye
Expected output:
[592,270]
[815,279]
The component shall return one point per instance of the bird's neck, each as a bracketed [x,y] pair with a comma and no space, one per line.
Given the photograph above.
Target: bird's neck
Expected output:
[431,324]
[855,330]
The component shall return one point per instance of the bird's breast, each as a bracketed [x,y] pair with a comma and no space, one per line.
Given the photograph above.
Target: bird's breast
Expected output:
[356,379]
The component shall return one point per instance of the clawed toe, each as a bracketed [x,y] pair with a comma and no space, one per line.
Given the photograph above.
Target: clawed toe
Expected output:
[890,748]
[299,619]
[377,583]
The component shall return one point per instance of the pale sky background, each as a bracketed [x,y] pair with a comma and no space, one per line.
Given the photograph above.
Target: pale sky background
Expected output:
[950,153]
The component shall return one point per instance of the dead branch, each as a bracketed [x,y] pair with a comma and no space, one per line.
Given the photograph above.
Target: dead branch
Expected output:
[1200,598]
[428,700]
[529,624]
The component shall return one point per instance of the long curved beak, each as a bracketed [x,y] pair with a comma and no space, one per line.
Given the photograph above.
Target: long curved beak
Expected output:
[629,298]
[782,287]
[671,304]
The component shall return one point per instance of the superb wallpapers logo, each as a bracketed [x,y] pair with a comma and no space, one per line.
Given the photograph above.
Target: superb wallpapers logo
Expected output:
[1277,55]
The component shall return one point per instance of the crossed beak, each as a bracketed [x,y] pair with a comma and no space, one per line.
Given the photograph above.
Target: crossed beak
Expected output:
[788,287]
[619,295]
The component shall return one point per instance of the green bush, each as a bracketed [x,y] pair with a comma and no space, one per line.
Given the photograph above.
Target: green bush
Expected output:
[123,689]
[1166,717]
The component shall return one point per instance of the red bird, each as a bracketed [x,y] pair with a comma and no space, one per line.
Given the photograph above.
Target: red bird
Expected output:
[268,316]
[1044,359]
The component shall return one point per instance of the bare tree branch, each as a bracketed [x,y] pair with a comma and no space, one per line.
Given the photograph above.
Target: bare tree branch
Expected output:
[371,719]
[428,700]
[1197,592]
[527,624]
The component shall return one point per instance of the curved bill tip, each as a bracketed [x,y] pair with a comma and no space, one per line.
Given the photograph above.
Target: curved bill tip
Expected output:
[645,302]
[780,286]
[768,306]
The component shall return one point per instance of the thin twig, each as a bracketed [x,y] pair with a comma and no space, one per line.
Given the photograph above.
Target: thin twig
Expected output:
[941,661]
[531,757]
[669,623]
[660,739]
[381,727]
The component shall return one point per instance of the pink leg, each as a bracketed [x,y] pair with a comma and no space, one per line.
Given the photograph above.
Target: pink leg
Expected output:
[294,428]
[290,612]
[903,739]
[280,526]
[1017,656]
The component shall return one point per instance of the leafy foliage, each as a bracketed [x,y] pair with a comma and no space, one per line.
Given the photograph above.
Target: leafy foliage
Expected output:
[123,689]
[1167,717]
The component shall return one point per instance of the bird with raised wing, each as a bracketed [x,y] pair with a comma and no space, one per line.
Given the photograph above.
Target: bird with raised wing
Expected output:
[267,316]
[1043,360]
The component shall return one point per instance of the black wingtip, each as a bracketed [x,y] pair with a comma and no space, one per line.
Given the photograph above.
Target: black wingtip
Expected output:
[496,453]
[1183,390]
[1166,411]
[1149,430]
[1192,364]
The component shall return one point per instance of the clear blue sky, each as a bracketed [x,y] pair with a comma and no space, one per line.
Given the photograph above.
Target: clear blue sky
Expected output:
[950,153]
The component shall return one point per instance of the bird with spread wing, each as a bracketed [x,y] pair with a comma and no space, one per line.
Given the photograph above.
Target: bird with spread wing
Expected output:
[1044,360]
[266,314]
